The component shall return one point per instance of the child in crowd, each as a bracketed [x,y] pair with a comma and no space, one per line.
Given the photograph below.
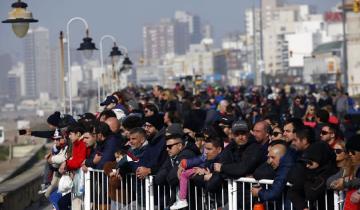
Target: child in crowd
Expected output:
[55,159]
[57,150]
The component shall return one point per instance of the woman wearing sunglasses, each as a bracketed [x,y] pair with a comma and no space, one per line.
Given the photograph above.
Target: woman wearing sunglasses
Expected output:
[343,162]
[347,161]
[277,134]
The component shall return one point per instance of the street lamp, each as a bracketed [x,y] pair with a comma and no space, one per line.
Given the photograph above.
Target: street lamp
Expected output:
[126,64]
[87,46]
[115,56]
[20,18]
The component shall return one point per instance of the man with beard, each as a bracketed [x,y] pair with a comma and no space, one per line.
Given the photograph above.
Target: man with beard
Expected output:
[155,154]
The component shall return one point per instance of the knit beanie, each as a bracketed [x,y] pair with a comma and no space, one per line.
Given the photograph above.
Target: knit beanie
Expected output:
[319,152]
[132,121]
[353,143]
[155,120]
[54,119]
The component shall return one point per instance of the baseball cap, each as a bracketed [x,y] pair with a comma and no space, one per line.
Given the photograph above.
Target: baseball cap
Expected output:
[174,130]
[239,126]
[109,100]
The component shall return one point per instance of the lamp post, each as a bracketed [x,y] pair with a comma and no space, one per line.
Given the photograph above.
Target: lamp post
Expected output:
[126,64]
[114,54]
[87,46]
[20,18]
[345,56]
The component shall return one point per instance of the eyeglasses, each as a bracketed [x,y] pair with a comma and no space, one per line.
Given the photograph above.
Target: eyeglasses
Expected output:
[169,146]
[276,134]
[338,151]
[324,132]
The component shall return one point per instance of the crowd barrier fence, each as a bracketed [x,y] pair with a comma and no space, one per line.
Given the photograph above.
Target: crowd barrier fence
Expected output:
[136,194]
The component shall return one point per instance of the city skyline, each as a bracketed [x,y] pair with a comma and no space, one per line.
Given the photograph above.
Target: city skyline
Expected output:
[51,15]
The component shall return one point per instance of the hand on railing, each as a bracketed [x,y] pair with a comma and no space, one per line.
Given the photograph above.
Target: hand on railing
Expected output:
[255,190]
[142,172]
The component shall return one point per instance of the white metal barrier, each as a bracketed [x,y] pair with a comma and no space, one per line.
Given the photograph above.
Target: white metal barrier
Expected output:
[198,198]
[240,189]
[131,193]
[138,194]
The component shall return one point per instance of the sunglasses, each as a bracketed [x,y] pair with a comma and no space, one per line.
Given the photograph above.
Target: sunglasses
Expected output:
[351,152]
[170,146]
[276,134]
[338,151]
[324,133]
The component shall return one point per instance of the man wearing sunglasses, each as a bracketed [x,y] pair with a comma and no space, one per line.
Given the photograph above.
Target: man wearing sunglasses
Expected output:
[177,150]
[328,134]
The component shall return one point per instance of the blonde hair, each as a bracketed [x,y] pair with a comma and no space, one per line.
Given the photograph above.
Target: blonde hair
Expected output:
[348,167]
[308,111]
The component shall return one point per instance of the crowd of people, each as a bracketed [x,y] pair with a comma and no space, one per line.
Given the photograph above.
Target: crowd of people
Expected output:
[307,143]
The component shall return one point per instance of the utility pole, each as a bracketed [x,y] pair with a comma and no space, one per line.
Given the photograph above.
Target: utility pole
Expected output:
[62,71]
[261,43]
[344,55]
[256,70]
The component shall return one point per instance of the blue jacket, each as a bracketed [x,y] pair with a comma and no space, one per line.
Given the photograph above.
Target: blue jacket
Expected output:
[107,150]
[155,153]
[276,189]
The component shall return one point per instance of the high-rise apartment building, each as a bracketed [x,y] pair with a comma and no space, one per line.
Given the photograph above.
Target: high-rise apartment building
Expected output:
[6,64]
[37,63]
[194,25]
[171,36]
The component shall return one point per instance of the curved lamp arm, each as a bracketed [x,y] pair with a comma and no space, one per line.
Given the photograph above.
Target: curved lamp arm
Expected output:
[68,53]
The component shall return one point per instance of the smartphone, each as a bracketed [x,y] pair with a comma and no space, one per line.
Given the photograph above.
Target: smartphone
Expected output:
[22,132]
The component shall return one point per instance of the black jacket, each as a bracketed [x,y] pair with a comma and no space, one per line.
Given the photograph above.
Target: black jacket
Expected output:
[168,170]
[155,154]
[310,184]
[213,185]
[245,159]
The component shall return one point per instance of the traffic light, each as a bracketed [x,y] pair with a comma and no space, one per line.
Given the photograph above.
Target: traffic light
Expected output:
[356,6]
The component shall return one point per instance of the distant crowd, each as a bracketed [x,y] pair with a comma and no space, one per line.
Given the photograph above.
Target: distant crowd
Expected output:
[309,141]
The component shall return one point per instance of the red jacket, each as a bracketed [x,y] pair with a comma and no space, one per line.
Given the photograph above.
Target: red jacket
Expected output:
[78,155]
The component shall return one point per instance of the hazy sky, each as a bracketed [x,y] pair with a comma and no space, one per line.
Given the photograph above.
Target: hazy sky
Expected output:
[124,18]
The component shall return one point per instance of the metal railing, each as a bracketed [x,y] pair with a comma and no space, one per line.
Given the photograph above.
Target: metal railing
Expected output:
[135,194]
[240,197]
